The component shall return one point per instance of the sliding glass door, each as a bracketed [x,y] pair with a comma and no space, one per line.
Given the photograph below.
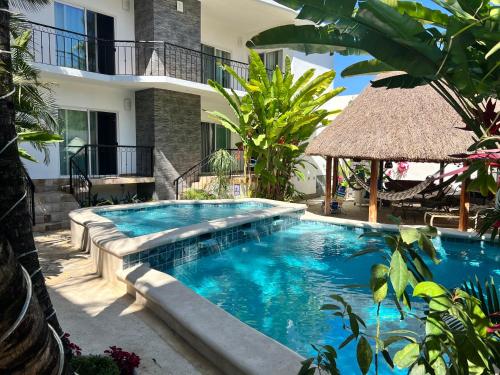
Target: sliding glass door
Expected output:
[98,129]
[71,50]
[74,128]
[88,43]
[212,69]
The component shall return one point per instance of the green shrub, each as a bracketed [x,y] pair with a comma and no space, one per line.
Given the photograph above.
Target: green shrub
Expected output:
[197,194]
[94,365]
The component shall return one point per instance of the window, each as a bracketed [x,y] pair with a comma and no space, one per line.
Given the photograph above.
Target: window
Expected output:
[211,68]
[272,59]
[214,137]
[88,42]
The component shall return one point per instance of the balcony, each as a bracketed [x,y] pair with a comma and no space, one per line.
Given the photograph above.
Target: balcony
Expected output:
[95,165]
[59,47]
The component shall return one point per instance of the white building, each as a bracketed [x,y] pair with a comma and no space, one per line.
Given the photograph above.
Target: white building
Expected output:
[130,84]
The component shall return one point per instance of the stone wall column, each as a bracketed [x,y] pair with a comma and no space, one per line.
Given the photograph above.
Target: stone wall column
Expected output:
[171,122]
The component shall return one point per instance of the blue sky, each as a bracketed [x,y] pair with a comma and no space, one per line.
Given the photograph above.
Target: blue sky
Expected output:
[353,85]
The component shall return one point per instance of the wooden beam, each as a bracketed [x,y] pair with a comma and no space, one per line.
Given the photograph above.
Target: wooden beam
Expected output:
[372,212]
[335,178]
[463,222]
[328,186]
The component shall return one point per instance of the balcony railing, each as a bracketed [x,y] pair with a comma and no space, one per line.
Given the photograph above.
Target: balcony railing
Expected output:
[93,162]
[59,47]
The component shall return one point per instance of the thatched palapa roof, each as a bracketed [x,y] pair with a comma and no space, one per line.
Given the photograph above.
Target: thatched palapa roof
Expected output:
[414,124]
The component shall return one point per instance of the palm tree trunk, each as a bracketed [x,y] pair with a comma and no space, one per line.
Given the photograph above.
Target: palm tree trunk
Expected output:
[15,222]
[31,348]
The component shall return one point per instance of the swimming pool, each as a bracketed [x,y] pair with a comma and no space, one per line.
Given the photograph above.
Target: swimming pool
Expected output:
[137,222]
[278,285]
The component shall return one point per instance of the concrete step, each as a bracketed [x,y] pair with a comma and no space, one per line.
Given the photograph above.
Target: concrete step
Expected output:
[52,217]
[46,185]
[52,206]
[53,197]
[47,227]
[48,208]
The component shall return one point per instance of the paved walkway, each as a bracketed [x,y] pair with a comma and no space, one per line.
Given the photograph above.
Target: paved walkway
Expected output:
[98,315]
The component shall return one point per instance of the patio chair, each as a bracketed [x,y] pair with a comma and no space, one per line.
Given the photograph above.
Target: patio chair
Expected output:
[338,200]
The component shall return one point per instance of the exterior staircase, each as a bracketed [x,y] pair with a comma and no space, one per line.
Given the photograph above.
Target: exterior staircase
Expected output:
[52,205]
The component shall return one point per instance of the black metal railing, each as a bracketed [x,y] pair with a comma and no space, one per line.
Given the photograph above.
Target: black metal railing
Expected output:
[59,47]
[103,161]
[80,184]
[198,177]
[30,194]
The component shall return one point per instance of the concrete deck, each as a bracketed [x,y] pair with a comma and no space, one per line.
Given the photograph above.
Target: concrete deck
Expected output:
[98,316]
[351,211]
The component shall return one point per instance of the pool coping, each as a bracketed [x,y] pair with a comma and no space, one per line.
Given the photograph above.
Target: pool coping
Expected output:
[232,345]
[103,233]
[442,232]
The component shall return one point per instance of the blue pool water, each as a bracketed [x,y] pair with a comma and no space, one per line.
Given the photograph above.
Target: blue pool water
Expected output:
[138,222]
[279,284]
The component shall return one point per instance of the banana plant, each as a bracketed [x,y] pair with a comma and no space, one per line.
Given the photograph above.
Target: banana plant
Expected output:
[275,119]
[488,296]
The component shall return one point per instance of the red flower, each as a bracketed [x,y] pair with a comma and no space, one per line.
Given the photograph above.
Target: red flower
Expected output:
[75,349]
[125,361]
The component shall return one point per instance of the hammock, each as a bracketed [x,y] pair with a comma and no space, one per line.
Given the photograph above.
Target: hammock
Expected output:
[400,195]
[349,181]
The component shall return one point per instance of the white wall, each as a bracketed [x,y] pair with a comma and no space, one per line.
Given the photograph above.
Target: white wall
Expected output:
[73,95]
[124,19]
[302,62]
[317,166]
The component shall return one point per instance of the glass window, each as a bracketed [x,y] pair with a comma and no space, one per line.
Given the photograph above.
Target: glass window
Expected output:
[212,69]
[273,59]
[222,137]
[70,45]
[73,127]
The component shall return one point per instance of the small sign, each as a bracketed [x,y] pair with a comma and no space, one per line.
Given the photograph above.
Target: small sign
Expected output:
[180,6]
[237,190]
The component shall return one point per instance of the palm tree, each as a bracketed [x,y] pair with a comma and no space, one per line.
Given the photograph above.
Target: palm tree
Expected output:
[17,236]
[34,104]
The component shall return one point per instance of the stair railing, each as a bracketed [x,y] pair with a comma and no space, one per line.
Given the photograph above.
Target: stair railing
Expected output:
[192,178]
[79,182]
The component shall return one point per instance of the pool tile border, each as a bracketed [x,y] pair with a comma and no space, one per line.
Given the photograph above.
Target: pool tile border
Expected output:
[180,252]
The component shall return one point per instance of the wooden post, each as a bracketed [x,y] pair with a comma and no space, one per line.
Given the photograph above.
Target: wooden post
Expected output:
[463,222]
[328,186]
[372,212]
[335,178]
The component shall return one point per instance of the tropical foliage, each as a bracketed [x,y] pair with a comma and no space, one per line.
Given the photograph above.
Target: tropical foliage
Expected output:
[275,120]
[36,112]
[221,163]
[459,326]
[453,46]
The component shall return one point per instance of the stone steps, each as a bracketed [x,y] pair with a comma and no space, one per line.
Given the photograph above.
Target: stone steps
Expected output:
[52,205]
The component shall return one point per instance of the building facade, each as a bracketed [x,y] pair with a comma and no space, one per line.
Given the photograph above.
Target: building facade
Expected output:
[130,82]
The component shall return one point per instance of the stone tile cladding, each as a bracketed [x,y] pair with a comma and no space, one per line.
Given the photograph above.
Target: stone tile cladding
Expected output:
[171,122]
